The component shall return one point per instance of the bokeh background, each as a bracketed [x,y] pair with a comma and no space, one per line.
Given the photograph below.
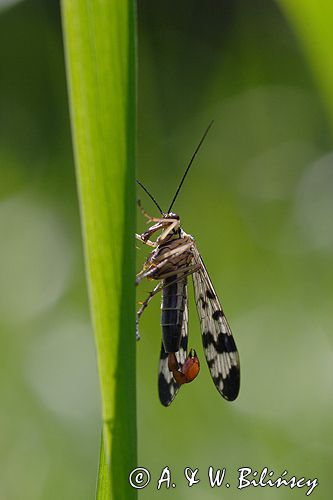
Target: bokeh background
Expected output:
[259,202]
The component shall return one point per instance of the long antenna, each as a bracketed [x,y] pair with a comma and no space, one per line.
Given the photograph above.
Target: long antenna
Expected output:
[189,165]
[150,196]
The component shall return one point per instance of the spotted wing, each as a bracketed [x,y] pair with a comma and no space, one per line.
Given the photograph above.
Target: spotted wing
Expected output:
[219,345]
[167,386]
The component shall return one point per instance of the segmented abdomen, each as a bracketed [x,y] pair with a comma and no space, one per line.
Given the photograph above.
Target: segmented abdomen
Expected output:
[173,304]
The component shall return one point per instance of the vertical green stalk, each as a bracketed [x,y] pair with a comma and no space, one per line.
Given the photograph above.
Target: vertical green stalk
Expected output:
[99,38]
[312,22]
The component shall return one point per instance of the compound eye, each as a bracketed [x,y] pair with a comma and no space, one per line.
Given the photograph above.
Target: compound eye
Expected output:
[171,215]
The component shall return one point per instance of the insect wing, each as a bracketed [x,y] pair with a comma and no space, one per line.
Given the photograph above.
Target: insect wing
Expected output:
[219,345]
[167,386]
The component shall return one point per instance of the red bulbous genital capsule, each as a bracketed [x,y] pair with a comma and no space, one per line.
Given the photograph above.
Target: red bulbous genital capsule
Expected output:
[189,370]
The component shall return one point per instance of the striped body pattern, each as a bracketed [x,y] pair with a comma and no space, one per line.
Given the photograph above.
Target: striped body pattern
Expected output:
[167,385]
[173,305]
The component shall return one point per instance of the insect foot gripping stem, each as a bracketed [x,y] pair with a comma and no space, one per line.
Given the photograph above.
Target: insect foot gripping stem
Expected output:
[189,370]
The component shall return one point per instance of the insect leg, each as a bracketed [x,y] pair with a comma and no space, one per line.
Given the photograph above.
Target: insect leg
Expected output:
[159,287]
[177,251]
[174,224]
[146,242]
[144,213]
[187,270]
[159,226]
[150,217]
[144,304]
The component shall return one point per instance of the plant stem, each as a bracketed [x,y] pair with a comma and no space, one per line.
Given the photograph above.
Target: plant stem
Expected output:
[100,55]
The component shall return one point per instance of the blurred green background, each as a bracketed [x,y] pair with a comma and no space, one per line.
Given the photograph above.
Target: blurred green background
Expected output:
[259,202]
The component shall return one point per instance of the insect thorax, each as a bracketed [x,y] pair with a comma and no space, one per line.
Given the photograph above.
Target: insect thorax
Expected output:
[172,255]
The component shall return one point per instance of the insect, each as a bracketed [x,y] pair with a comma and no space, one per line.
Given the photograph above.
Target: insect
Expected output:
[173,259]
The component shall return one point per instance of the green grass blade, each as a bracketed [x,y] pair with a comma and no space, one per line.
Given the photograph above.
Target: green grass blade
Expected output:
[103,491]
[100,55]
[313,23]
